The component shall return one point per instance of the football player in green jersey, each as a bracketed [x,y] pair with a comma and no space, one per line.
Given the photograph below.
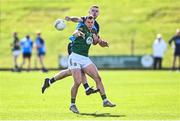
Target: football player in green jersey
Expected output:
[79,61]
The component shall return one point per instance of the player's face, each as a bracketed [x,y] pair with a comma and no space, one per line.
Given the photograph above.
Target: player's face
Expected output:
[178,32]
[38,34]
[94,12]
[89,23]
[14,34]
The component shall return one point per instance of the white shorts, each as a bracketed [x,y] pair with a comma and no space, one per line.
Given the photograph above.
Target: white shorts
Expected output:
[16,52]
[78,61]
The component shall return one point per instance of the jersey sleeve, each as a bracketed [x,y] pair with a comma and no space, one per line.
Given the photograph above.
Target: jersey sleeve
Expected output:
[80,28]
[31,43]
[97,26]
[37,42]
[94,30]
[22,42]
[172,39]
[80,25]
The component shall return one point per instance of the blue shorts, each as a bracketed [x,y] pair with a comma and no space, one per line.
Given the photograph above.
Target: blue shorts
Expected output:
[177,52]
[27,55]
[69,48]
[41,53]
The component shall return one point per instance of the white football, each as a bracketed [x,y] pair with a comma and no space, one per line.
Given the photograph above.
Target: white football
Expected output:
[60,24]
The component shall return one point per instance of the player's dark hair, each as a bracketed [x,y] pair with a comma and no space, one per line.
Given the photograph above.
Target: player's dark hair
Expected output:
[94,6]
[89,17]
[27,36]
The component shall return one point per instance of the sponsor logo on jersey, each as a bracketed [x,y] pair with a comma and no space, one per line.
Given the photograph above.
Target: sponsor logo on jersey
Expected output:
[89,40]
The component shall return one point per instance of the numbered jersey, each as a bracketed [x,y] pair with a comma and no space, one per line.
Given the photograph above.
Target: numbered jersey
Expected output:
[81,45]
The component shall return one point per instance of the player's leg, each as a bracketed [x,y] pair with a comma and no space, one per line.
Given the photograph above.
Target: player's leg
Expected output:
[41,60]
[48,81]
[23,61]
[76,73]
[65,73]
[29,62]
[74,64]
[179,61]
[174,63]
[88,90]
[160,63]
[15,62]
[155,63]
[62,74]
[92,71]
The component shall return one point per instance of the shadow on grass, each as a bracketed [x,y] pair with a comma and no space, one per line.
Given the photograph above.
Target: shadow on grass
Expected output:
[101,115]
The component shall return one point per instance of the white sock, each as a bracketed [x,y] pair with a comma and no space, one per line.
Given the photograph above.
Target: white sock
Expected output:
[72,104]
[49,82]
[87,89]
[105,100]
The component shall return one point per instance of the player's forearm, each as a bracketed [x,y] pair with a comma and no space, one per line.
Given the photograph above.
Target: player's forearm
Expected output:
[73,19]
[78,33]
[103,43]
[75,33]
[170,41]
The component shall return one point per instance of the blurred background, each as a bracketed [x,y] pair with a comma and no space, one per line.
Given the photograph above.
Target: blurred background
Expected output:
[129,26]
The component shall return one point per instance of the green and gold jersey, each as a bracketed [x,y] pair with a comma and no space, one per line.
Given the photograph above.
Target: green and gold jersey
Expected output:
[81,45]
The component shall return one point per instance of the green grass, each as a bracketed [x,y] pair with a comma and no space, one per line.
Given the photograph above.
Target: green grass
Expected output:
[151,95]
[120,22]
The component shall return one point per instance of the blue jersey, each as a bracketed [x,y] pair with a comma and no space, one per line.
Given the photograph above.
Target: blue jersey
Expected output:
[176,40]
[40,45]
[26,45]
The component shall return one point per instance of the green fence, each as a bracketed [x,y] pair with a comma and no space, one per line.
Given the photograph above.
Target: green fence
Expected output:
[116,62]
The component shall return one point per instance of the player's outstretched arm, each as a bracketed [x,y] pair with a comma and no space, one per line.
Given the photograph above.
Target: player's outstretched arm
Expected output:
[98,40]
[73,19]
[103,43]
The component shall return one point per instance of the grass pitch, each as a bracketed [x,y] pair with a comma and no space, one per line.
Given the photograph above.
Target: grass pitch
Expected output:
[151,95]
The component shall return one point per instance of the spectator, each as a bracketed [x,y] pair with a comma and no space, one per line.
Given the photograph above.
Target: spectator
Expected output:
[159,47]
[26,45]
[15,50]
[41,50]
[176,40]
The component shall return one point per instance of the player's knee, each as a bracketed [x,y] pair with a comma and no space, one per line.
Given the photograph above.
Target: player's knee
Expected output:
[68,73]
[77,83]
[97,78]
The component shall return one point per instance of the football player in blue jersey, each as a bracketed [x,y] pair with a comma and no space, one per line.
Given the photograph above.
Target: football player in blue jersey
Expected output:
[176,40]
[41,50]
[26,46]
[94,11]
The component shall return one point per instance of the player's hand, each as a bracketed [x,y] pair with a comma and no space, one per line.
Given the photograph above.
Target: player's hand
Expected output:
[67,18]
[95,39]
[79,34]
[104,43]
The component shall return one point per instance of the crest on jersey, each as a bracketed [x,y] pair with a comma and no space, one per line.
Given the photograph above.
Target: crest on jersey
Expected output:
[89,40]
